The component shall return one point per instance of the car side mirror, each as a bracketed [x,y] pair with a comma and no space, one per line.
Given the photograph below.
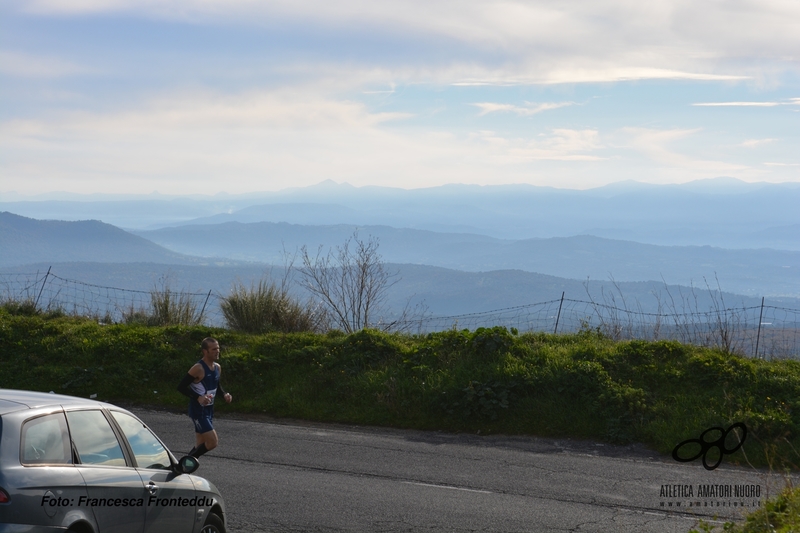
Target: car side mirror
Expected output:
[187,465]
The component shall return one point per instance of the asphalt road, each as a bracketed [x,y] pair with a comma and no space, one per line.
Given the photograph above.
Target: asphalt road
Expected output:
[294,476]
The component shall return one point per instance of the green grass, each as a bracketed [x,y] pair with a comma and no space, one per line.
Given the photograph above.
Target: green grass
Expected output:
[489,380]
[780,514]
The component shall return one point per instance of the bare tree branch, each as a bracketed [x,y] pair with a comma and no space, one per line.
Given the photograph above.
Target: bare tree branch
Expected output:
[351,281]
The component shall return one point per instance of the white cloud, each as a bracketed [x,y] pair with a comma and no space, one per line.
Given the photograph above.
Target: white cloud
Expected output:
[657,146]
[531,109]
[202,142]
[790,101]
[207,142]
[190,134]
[304,123]
[537,41]
[24,65]
[560,144]
[737,104]
[753,143]
[589,74]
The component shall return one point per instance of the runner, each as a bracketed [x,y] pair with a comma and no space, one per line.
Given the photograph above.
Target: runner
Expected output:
[202,384]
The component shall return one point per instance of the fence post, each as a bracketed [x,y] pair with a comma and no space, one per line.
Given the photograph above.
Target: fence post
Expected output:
[760,317]
[204,304]
[36,303]
[558,316]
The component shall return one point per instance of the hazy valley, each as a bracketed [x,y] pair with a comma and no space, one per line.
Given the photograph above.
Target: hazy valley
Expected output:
[457,248]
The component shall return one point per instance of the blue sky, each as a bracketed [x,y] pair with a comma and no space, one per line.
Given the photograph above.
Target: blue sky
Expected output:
[123,96]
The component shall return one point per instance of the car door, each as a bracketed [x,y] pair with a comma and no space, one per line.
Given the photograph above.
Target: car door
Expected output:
[115,492]
[171,504]
[47,486]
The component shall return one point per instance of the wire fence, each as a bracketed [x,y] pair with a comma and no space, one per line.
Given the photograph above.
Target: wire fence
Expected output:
[50,292]
[764,331]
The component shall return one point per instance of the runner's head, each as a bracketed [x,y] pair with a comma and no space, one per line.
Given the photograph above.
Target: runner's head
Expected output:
[210,348]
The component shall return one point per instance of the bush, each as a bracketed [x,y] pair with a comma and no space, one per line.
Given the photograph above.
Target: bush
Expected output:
[28,307]
[167,308]
[20,307]
[173,309]
[268,307]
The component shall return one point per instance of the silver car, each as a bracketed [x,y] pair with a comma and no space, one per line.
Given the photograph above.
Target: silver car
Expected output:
[70,464]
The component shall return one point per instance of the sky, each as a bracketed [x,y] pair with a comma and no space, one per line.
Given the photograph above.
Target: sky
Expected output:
[237,96]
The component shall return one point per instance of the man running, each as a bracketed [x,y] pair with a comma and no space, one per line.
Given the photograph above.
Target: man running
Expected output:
[201,384]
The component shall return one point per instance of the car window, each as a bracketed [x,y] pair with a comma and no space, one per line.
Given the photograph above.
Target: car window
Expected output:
[45,441]
[147,449]
[94,439]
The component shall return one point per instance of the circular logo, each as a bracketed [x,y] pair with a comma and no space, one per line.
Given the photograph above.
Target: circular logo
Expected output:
[708,445]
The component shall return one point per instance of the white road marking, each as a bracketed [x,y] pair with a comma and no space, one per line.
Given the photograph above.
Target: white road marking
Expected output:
[447,487]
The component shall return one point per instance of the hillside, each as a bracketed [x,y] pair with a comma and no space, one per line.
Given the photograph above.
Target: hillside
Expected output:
[763,272]
[753,273]
[719,212]
[25,240]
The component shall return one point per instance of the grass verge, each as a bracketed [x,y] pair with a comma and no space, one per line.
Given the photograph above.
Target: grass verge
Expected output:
[488,380]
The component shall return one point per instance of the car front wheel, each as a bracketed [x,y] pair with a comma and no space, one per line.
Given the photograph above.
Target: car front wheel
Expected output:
[213,525]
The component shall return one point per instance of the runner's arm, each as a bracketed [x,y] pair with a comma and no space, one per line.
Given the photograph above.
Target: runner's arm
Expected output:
[185,389]
[225,394]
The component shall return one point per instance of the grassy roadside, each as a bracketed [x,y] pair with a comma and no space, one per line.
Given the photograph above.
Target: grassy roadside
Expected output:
[489,380]
[780,514]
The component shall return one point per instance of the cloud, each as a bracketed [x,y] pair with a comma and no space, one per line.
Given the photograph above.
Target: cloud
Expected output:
[207,142]
[489,107]
[791,101]
[738,104]
[753,143]
[204,136]
[248,111]
[204,142]
[24,65]
[559,144]
[657,145]
[591,74]
[483,42]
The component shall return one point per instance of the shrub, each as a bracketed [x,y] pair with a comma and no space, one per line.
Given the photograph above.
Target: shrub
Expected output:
[173,308]
[28,307]
[268,307]
[20,307]
[167,308]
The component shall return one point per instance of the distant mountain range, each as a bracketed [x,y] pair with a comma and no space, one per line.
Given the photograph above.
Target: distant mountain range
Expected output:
[763,272]
[721,212]
[249,247]
[460,248]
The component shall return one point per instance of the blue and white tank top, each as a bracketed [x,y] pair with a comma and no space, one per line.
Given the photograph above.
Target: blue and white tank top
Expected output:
[206,386]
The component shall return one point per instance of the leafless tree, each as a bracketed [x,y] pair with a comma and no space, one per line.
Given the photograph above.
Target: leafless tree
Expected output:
[352,281]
